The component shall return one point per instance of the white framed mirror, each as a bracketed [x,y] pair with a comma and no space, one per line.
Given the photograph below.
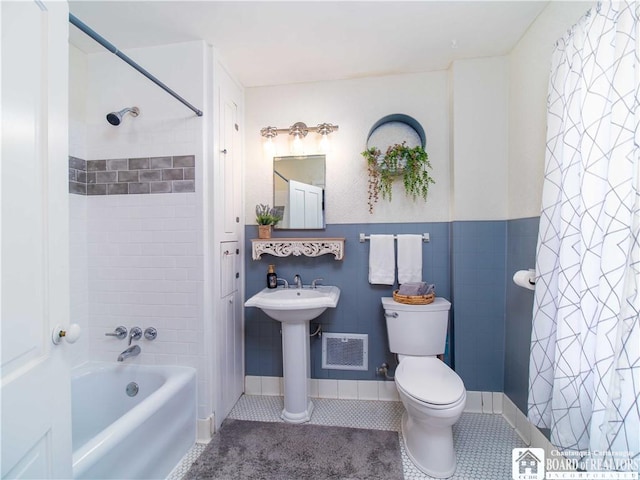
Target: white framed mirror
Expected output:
[298,191]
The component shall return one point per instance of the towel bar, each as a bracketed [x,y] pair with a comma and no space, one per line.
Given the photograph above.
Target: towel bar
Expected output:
[363,237]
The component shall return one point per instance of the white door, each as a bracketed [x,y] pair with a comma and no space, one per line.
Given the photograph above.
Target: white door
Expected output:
[230,159]
[228,320]
[231,361]
[305,205]
[34,286]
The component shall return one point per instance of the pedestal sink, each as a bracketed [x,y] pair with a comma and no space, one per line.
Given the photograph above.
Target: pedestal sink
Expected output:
[294,308]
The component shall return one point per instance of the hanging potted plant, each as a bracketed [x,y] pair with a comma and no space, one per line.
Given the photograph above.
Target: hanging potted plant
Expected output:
[399,160]
[266,218]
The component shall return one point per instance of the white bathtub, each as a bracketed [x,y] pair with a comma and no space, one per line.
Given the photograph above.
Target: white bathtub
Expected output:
[122,437]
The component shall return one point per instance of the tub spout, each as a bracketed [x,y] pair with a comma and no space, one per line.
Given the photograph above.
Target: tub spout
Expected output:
[132,351]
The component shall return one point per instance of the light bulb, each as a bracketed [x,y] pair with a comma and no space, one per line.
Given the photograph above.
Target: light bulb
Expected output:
[297,148]
[325,144]
[268,146]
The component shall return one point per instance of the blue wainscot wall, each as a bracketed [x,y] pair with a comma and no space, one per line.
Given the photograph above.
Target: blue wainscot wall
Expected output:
[471,263]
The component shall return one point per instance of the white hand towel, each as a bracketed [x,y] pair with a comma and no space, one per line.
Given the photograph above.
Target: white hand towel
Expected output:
[409,258]
[382,260]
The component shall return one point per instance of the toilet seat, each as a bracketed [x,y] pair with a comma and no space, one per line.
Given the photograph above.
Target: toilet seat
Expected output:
[429,381]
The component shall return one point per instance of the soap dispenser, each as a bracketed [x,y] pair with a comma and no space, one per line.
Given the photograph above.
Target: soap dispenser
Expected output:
[272,278]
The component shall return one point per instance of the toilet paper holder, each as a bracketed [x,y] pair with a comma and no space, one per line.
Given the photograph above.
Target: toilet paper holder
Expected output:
[525,278]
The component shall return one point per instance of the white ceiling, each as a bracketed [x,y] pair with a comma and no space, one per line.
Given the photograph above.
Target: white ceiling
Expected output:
[270,43]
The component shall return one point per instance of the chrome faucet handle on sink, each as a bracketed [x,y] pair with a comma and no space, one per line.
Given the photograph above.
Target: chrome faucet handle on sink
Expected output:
[283,280]
[120,333]
[314,284]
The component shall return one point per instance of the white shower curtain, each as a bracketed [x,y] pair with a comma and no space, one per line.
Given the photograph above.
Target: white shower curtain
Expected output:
[584,372]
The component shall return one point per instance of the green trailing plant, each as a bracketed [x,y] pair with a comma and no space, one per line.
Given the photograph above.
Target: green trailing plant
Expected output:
[266,215]
[399,160]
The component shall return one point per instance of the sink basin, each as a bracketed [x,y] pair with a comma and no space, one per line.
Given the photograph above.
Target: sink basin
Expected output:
[295,305]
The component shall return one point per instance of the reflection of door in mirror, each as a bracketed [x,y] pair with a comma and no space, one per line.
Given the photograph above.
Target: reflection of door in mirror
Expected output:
[298,191]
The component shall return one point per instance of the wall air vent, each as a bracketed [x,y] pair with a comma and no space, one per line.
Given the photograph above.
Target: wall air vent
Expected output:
[345,351]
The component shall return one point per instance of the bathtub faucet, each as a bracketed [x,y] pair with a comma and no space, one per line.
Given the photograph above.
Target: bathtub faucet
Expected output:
[132,351]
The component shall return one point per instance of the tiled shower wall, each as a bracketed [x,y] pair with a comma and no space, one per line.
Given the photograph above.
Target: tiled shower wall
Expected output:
[145,268]
[123,176]
[137,260]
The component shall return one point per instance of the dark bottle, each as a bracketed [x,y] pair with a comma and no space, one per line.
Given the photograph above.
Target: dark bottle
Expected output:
[272,278]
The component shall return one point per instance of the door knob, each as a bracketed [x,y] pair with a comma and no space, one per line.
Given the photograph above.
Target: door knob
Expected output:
[71,334]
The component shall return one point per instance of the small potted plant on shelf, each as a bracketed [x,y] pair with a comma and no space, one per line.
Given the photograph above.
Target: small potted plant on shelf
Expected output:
[266,218]
[399,160]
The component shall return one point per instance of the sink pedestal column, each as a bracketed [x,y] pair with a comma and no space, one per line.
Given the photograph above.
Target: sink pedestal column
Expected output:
[296,361]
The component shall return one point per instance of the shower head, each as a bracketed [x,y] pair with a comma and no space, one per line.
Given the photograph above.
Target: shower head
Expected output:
[114,118]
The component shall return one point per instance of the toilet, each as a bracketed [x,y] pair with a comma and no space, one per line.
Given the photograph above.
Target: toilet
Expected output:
[433,395]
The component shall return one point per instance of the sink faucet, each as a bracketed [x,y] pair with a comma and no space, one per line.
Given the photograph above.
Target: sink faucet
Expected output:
[132,351]
[298,281]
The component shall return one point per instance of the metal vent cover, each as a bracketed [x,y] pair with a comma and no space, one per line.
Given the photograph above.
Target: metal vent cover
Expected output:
[345,351]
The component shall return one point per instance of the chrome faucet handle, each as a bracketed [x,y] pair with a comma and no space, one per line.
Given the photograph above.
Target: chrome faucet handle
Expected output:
[120,332]
[314,284]
[283,280]
[150,333]
[135,334]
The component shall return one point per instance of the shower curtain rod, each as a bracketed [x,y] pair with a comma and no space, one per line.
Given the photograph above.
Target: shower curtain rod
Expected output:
[113,49]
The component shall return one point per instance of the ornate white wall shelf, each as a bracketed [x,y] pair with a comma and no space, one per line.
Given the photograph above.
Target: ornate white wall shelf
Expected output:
[310,247]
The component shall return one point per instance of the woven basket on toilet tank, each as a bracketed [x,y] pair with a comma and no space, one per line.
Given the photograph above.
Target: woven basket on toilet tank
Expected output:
[414,299]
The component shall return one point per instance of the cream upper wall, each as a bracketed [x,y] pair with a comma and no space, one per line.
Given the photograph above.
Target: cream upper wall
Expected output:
[355,105]
[480,139]
[485,121]
[530,63]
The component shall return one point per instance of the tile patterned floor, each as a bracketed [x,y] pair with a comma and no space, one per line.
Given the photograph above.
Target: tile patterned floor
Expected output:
[483,442]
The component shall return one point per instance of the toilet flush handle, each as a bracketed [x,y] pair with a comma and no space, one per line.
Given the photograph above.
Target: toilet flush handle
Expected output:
[392,314]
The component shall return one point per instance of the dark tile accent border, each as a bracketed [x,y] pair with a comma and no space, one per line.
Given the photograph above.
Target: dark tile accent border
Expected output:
[78,176]
[128,176]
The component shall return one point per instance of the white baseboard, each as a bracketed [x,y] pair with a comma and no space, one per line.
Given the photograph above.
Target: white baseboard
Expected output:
[385,390]
[326,388]
[205,428]
[528,432]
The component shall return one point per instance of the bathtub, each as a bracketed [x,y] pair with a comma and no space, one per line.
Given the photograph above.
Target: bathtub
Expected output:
[127,437]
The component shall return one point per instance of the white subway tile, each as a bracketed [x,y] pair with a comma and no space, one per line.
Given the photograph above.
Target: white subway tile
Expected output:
[313,387]
[509,411]
[327,388]
[271,386]
[175,273]
[487,402]
[252,385]
[474,402]
[367,390]
[387,391]
[497,402]
[348,389]
[523,427]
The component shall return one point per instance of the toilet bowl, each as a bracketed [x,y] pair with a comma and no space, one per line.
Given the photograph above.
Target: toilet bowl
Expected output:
[434,397]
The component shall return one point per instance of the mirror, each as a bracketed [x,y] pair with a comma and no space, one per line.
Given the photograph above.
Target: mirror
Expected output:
[298,191]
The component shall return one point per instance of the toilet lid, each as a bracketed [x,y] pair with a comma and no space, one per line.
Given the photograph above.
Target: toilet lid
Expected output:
[429,380]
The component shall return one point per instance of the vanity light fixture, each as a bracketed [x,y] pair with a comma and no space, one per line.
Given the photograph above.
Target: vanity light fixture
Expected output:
[324,129]
[269,133]
[299,131]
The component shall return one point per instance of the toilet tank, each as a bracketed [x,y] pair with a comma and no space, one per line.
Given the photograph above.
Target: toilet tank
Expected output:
[419,330]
